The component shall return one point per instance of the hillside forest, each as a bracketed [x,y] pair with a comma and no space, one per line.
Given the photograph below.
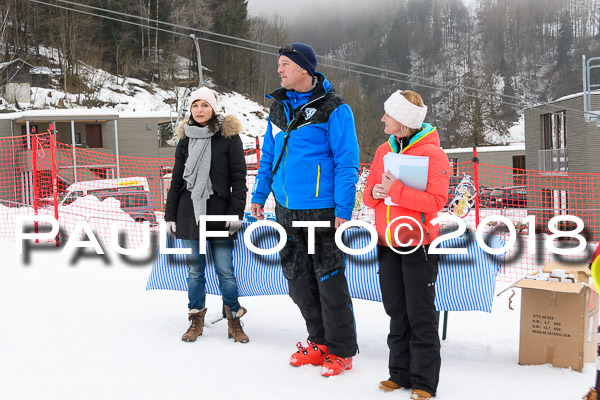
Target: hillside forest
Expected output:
[477,67]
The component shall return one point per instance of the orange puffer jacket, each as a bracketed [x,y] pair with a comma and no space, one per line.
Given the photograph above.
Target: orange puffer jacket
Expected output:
[422,206]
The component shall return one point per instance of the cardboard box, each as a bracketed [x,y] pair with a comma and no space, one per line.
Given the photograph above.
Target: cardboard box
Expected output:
[558,320]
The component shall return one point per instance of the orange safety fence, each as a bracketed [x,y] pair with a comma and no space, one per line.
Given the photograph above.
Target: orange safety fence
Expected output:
[535,203]
[40,176]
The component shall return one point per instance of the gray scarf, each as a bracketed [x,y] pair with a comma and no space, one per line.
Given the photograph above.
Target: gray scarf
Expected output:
[197,167]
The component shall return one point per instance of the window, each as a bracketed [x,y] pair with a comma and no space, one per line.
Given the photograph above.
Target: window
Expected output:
[123,200]
[139,200]
[519,163]
[72,197]
[165,134]
[109,192]
[518,170]
[103,173]
[554,133]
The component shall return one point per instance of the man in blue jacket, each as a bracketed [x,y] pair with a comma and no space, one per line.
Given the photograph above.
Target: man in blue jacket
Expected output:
[310,163]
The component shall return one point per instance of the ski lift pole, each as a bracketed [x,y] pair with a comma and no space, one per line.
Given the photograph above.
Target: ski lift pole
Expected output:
[199,58]
[180,111]
[34,145]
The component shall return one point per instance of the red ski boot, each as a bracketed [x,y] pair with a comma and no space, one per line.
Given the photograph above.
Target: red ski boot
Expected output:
[334,365]
[314,354]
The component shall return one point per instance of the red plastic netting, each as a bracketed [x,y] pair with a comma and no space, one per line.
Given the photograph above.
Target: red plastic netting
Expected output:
[535,203]
[105,191]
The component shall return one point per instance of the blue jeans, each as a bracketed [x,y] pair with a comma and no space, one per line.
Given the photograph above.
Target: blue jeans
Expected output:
[222,253]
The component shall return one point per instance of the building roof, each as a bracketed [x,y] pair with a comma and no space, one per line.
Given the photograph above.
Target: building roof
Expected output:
[7,63]
[487,149]
[574,95]
[563,98]
[83,114]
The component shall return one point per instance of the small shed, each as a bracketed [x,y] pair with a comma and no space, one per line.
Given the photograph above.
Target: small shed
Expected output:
[15,81]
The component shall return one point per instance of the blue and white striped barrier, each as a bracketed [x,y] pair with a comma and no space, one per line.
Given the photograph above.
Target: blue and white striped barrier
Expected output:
[464,282]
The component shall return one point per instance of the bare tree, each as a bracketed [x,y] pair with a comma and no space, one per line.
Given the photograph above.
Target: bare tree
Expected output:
[475,119]
[272,31]
[5,21]
[122,40]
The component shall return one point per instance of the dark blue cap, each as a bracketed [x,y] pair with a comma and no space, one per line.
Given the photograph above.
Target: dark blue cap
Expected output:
[302,54]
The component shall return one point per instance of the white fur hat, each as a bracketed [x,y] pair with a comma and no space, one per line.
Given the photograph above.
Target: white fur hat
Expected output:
[206,94]
[403,111]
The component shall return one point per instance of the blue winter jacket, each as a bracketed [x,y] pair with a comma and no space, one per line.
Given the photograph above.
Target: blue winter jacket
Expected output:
[319,166]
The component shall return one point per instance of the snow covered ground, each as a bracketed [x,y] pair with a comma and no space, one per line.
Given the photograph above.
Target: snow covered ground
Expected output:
[85,328]
[516,132]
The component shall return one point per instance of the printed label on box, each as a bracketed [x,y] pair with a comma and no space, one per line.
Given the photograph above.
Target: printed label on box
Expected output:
[547,325]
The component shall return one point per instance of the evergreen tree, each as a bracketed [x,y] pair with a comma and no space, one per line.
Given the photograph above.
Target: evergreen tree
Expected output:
[508,105]
[372,55]
[564,40]
[398,43]
[120,39]
[229,18]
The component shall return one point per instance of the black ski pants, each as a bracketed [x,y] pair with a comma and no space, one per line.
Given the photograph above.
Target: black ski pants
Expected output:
[408,290]
[317,282]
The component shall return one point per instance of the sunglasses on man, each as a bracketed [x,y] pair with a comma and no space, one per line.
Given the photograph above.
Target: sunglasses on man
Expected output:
[286,48]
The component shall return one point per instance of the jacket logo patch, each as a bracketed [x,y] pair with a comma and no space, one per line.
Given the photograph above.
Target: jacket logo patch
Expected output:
[309,112]
[444,172]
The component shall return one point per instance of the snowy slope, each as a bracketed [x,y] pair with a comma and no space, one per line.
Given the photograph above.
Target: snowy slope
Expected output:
[82,328]
[129,96]
[85,328]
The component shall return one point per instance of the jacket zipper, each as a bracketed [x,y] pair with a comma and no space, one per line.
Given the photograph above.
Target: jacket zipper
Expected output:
[286,150]
[387,218]
[318,178]
[283,183]
[283,166]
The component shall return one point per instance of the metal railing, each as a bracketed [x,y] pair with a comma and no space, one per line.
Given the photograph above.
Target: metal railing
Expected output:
[553,160]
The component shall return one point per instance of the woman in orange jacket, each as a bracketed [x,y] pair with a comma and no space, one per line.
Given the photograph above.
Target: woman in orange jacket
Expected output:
[407,273]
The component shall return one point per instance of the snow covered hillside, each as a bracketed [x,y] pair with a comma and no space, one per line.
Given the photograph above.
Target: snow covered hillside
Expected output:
[128,95]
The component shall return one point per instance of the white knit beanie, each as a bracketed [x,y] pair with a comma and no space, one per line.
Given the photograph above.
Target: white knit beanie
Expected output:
[403,111]
[206,94]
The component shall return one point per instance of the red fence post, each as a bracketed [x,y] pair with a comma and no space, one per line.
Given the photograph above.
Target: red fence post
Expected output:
[475,161]
[34,146]
[54,182]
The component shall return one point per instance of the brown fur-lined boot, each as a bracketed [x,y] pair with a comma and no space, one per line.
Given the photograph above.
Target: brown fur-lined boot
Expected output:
[419,395]
[196,317]
[234,325]
[389,386]
[591,395]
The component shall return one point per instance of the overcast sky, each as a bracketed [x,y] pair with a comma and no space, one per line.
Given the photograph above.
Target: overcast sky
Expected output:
[300,9]
[291,10]
[287,9]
